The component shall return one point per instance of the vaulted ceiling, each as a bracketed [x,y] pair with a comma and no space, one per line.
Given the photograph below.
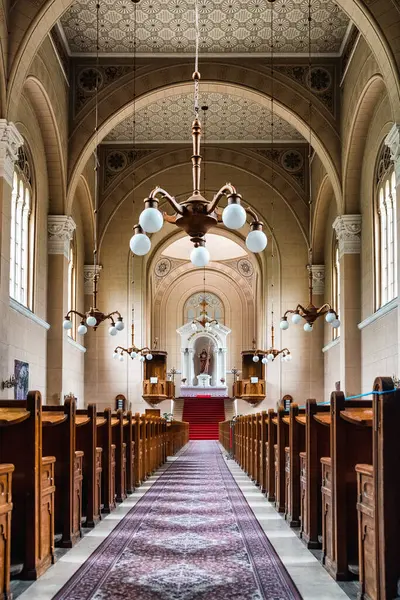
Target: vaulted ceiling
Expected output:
[226,26]
[229,118]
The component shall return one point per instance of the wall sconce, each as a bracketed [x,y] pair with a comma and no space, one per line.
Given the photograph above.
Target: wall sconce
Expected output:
[9,383]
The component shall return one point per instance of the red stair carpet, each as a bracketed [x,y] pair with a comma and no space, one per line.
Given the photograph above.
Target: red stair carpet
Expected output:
[203,416]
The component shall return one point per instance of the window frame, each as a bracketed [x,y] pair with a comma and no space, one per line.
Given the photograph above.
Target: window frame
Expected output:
[385,243]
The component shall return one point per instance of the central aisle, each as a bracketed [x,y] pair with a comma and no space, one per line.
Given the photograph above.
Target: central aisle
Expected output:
[192,536]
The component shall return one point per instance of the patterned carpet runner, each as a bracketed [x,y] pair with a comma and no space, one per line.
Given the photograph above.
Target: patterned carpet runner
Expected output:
[192,536]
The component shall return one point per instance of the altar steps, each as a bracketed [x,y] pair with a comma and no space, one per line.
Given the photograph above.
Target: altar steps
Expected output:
[203,416]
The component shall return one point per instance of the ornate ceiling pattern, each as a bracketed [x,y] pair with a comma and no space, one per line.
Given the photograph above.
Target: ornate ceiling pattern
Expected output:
[229,118]
[227,26]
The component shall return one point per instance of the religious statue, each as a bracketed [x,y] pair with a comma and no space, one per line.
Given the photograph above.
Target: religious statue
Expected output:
[204,361]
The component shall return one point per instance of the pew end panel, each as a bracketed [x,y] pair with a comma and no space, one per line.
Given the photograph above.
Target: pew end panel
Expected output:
[86,441]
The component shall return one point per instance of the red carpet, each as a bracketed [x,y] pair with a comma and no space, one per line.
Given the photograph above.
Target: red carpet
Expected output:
[203,415]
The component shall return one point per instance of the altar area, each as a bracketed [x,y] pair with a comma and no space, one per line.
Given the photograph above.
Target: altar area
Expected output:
[203,361]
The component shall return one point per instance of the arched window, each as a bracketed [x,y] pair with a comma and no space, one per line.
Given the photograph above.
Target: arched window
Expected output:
[193,307]
[22,232]
[72,285]
[386,239]
[336,283]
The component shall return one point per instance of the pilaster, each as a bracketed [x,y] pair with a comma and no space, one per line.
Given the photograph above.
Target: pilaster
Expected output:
[60,233]
[348,232]
[89,272]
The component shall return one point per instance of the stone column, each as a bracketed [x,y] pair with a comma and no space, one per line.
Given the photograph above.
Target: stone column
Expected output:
[348,232]
[60,229]
[10,141]
[393,142]
[317,335]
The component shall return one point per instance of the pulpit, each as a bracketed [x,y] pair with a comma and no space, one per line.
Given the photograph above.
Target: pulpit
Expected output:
[156,388]
[252,386]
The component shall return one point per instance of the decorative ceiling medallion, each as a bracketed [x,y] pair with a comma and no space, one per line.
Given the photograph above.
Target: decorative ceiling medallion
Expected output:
[240,26]
[229,118]
[85,81]
[88,78]
[116,161]
[163,267]
[292,161]
[245,267]
[319,80]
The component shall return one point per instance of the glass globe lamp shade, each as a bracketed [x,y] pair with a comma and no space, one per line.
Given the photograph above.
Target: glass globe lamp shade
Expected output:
[270,357]
[115,355]
[119,325]
[82,329]
[151,220]
[194,327]
[330,316]
[142,359]
[296,318]
[216,325]
[288,357]
[133,354]
[284,324]
[91,321]
[200,256]
[207,325]
[264,360]
[67,324]
[121,357]
[149,356]
[112,330]
[140,244]
[234,216]
[256,358]
[336,324]
[256,241]
[307,327]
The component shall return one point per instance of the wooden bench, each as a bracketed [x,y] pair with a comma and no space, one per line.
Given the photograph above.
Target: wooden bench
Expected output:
[6,471]
[104,441]
[129,442]
[297,442]
[270,454]
[282,443]
[32,525]
[86,441]
[120,458]
[59,440]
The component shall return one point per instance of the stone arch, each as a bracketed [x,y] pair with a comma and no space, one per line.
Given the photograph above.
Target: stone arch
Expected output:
[323,202]
[84,199]
[325,138]
[40,101]
[30,22]
[252,164]
[353,154]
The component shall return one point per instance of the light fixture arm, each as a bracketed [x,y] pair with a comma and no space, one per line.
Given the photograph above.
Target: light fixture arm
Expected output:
[165,196]
[227,190]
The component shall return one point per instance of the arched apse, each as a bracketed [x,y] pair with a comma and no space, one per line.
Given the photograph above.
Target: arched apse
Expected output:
[354,152]
[31,22]
[55,160]
[325,142]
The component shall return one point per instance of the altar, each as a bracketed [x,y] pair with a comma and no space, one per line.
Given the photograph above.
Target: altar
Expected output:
[203,361]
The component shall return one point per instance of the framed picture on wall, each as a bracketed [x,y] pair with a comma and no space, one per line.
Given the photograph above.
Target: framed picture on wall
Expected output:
[21,374]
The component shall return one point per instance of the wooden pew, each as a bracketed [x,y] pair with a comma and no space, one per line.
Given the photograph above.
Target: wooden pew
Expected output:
[6,471]
[130,452]
[317,444]
[138,450]
[59,440]
[270,454]
[282,442]
[104,441]
[350,443]
[32,525]
[378,493]
[117,437]
[293,490]
[86,441]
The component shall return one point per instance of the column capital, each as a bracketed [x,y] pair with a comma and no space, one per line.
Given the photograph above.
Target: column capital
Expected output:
[392,141]
[60,230]
[10,142]
[88,276]
[348,233]
[318,278]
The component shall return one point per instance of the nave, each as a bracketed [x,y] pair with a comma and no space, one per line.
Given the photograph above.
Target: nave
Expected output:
[195,530]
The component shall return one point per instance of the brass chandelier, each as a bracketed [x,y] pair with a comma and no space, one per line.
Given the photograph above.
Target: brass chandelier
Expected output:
[94,317]
[310,313]
[270,354]
[133,351]
[196,215]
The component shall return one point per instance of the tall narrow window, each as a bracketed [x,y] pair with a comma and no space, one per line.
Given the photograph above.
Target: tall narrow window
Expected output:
[386,246]
[72,286]
[21,235]
[336,284]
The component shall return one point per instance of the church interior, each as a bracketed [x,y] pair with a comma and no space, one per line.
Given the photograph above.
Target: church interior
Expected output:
[199,316]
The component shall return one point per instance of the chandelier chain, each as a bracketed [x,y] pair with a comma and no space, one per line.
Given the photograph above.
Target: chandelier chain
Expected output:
[196,60]
[134,103]
[310,199]
[272,166]
[96,136]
